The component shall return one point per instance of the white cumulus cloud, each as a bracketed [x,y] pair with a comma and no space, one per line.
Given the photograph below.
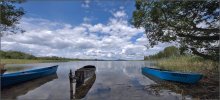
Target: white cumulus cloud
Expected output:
[96,41]
[120,13]
[86,4]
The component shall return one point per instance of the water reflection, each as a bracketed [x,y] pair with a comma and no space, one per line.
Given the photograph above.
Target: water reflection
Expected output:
[155,79]
[82,90]
[21,89]
[114,80]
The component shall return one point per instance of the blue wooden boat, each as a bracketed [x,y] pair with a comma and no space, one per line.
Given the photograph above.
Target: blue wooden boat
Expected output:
[190,78]
[20,77]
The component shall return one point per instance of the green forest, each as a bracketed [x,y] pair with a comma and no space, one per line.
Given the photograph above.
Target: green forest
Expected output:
[22,55]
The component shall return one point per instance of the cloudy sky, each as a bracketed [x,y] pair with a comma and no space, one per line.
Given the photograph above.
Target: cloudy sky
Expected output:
[80,29]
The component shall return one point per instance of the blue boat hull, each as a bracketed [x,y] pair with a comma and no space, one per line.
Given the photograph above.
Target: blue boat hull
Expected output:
[190,78]
[20,77]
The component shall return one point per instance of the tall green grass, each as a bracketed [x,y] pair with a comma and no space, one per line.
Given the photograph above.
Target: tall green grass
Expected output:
[187,64]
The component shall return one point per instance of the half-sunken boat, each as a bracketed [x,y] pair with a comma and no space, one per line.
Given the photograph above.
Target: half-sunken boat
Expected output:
[81,83]
[10,79]
[2,69]
[84,73]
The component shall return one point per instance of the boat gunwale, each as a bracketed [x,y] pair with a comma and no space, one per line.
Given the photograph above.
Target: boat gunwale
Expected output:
[26,72]
[87,68]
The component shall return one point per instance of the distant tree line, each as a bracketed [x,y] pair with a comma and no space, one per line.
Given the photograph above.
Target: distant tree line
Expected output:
[15,55]
[166,53]
[22,55]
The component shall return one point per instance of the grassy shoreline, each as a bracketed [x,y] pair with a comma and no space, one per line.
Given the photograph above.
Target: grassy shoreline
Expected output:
[29,61]
[187,64]
[208,68]
[206,88]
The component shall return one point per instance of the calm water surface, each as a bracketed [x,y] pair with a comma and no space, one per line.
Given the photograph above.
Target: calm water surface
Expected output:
[115,80]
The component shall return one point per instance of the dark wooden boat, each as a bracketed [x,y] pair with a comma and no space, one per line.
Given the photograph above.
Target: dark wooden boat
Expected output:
[172,75]
[2,68]
[82,81]
[84,73]
[23,76]
[2,71]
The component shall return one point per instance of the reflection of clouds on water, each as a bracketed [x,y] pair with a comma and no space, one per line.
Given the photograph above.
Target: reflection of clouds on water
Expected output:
[136,79]
[115,80]
[52,90]
[100,89]
[136,83]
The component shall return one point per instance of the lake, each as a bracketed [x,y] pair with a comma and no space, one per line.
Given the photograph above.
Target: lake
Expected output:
[115,80]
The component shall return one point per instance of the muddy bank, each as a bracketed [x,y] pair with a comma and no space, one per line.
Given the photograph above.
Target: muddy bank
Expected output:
[206,88]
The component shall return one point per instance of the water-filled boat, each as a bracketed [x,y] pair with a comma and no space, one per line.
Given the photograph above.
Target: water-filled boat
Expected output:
[82,81]
[10,79]
[84,73]
[182,77]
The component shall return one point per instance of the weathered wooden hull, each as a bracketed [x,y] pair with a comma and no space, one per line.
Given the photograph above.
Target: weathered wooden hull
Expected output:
[82,81]
[84,73]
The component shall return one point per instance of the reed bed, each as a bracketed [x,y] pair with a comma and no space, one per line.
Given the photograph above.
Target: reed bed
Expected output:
[187,64]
